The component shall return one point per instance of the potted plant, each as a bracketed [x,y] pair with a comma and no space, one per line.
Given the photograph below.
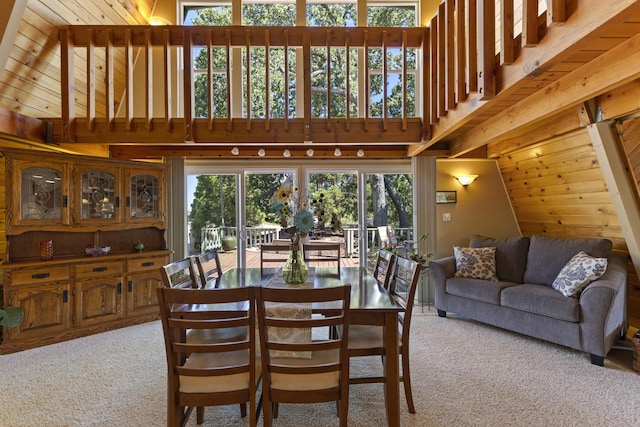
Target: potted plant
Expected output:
[421,257]
[10,316]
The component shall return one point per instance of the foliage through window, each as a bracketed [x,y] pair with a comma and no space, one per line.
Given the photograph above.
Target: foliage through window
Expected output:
[319,14]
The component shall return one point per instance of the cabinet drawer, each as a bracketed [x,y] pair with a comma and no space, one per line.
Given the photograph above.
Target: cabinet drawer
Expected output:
[39,275]
[99,269]
[143,264]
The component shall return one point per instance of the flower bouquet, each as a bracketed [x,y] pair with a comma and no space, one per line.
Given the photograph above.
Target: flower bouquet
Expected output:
[295,210]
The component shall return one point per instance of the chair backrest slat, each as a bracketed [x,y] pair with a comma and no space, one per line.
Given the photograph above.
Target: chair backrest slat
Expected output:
[403,287]
[179,274]
[322,253]
[273,253]
[384,267]
[209,267]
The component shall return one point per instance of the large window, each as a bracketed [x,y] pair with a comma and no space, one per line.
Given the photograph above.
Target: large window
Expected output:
[330,71]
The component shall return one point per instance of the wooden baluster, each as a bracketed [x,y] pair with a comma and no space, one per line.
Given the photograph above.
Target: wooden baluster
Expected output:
[442,65]
[507,44]
[404,80]
[209,79]
[91,80]
[461,50]
[67,76]
[450,55]
[556,12]
[347,122]
[486,50]
[433,67]
[367,93]
[286,80]
[148,64]
[328,46]
[247,35]
[188,85]
[267,79]
[110,101]
[472,46]
[168,98]
[385,77]
[426,86]
[228,45]
[529,23]
[128,54]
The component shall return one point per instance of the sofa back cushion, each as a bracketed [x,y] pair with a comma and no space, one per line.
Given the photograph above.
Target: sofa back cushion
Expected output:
[548,255]
[511,255]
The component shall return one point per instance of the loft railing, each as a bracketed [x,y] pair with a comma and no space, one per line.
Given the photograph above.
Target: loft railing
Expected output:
[117,76]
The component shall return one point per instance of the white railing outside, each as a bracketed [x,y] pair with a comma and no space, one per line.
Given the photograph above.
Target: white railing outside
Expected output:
[211,236]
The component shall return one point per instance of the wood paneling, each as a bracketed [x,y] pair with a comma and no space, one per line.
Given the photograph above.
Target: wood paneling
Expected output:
[30,83]
[557,189]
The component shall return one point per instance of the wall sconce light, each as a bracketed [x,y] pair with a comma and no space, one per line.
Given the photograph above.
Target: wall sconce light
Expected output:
[286,153]
[465,180]
[261,152]
[310,152]
[337,152]
[360,153]
[235,151]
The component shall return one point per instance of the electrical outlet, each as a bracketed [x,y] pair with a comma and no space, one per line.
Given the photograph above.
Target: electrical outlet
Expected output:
[446,217]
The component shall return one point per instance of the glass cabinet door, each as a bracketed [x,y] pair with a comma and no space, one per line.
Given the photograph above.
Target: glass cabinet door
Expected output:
[144,199]
[99,198]
[41,195]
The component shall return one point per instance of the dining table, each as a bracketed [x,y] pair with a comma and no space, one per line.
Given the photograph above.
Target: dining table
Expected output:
[371,304]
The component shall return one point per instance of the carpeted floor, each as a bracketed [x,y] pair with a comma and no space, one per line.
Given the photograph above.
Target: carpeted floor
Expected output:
[464,374]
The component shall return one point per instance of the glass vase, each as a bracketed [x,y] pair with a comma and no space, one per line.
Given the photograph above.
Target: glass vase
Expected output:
[295,271]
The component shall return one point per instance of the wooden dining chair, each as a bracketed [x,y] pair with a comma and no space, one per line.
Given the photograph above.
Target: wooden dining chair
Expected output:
[209,267]
[273,254]
[383,270]
[179,274]
[302,371]
[323,254]
[209,373]
[368,340]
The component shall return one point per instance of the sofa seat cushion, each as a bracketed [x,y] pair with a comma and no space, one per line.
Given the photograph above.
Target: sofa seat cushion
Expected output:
[511,255]
[543,300]
[547,255]
[477,289]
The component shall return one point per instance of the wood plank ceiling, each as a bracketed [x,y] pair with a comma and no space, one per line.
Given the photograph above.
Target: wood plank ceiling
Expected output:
[548,86]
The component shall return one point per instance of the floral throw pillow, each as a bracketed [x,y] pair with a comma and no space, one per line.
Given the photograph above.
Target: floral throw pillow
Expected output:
[476,263]
[581,270]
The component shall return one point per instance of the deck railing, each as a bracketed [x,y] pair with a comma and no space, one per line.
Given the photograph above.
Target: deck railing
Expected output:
[457,55]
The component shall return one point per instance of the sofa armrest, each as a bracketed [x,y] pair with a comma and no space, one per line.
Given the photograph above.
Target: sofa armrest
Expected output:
[603,307]
[440,270]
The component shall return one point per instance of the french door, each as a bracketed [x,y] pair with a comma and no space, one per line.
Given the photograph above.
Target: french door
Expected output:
[231,209]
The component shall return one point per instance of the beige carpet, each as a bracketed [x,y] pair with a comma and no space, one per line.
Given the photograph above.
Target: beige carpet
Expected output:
[464,373]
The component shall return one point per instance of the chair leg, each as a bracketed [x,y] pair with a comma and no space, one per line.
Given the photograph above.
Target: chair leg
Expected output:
[200,415]
[344,415]
[406,380]
[275,410]
[267,412]
[243,410]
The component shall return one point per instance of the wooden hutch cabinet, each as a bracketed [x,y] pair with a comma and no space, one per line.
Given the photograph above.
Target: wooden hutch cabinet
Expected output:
[77,201]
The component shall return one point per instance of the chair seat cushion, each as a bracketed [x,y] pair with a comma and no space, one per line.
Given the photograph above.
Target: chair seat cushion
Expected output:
[543,300]
[305,382]
[367,336]
[217,384]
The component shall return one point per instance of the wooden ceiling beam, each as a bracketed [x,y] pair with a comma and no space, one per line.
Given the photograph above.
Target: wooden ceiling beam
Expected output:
[614,68]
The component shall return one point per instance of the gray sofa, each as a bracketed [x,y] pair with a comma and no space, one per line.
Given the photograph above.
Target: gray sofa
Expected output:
[523,300]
